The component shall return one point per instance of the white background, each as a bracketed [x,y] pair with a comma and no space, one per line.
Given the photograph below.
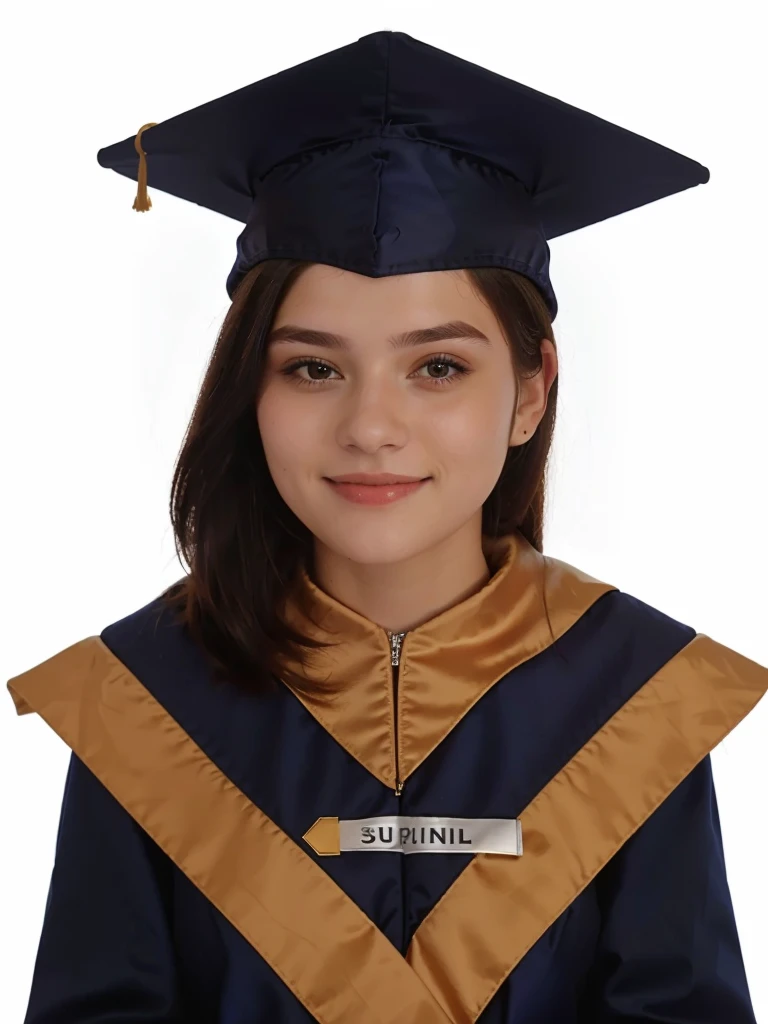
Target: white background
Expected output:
[109,316]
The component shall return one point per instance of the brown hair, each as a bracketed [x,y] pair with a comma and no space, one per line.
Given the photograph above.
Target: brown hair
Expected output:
[243,545]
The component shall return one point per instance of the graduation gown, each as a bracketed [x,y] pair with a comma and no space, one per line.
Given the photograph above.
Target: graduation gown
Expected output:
[211,863]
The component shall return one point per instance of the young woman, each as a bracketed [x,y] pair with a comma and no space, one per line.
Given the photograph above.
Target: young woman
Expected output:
[377,757]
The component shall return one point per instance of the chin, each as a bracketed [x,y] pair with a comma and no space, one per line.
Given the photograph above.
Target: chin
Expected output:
[373,544]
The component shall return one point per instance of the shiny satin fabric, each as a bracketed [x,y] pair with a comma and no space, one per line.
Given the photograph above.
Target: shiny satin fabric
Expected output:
[446,664]
[390,156]
[580,819]
[187,807]
[310,933]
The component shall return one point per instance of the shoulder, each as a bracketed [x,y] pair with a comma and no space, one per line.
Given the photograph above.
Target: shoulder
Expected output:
[685,671]
[140,646]
[603,612]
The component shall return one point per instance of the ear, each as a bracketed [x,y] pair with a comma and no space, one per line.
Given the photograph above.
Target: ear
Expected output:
[532,396]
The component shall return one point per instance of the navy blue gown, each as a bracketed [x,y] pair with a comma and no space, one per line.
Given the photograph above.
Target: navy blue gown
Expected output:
[201,874]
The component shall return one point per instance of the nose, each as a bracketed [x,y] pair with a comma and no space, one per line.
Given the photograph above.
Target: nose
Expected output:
[374,415]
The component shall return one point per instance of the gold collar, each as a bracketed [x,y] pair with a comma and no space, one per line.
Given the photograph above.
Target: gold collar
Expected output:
[445,665]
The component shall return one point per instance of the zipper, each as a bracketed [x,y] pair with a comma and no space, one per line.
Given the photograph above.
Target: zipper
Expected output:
[395,646]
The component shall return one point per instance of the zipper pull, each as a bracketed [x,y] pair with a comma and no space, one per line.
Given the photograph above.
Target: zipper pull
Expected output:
[398,788]
[395,643]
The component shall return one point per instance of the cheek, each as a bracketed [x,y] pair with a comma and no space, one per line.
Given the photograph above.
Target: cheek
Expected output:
[288,430]
[475,431]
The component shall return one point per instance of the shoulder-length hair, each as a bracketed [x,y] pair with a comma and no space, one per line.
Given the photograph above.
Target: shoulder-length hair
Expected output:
[243,545]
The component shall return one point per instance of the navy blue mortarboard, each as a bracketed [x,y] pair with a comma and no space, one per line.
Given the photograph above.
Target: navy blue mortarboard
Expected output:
[389,156]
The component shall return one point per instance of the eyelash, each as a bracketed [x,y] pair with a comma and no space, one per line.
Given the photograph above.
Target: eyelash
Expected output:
[290,370]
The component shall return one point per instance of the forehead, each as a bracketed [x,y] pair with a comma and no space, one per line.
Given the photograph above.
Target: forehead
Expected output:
[329,298]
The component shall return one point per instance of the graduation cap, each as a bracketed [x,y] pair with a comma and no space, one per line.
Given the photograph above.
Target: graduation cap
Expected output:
[390,156]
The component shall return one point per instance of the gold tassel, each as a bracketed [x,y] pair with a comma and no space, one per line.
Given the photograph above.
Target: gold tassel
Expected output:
[142,202]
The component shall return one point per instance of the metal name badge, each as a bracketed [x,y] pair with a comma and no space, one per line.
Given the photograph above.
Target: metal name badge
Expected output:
[408,834]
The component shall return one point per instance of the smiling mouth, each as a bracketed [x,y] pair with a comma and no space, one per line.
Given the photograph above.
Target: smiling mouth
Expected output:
[375,494]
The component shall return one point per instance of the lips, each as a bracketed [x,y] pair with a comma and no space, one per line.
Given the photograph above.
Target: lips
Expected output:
[374,479]
[375,494]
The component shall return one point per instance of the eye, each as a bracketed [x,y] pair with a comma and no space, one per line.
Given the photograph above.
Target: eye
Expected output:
[441,360]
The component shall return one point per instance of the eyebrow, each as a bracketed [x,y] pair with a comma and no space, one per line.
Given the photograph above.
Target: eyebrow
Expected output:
[420,336]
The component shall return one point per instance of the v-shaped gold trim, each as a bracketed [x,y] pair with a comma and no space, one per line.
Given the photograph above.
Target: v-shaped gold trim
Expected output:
[317,940]
[335,960]
[446,665]
[499,907]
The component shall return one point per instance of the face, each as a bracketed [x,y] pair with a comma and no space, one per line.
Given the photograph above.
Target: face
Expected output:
[441,409]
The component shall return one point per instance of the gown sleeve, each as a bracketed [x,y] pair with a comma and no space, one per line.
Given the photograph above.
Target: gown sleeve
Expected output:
[669,950]
[105,952]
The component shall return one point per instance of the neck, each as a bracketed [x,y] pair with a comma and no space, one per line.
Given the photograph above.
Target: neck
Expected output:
[402,595]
